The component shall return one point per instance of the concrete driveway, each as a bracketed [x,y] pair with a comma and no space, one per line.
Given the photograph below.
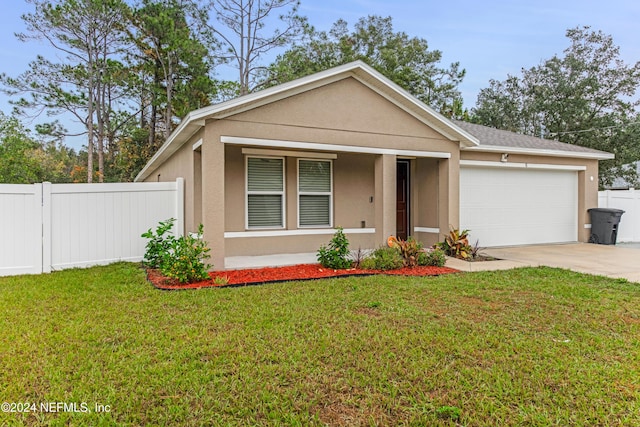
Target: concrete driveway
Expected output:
[612,261]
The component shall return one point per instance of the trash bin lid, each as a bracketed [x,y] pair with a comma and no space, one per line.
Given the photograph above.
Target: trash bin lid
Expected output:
[606,210]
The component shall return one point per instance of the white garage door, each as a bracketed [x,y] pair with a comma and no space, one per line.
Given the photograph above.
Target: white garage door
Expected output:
[514,206]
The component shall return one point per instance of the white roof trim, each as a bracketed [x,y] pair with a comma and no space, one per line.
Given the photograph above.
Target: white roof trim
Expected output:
[314,146]
[540,152]
[507,165]
[188,128]
[358,70]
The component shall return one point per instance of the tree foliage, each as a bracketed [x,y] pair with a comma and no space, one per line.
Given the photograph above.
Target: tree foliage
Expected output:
[586,97]
[245,32]
[25,159]
[405,60]
[173,63]
[88,35]
[120,70]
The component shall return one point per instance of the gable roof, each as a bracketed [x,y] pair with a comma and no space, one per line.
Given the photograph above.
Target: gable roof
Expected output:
[358,70]
[496,140]
[470,136]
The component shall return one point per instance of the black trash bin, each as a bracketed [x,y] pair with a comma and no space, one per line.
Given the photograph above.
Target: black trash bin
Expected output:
[604,225]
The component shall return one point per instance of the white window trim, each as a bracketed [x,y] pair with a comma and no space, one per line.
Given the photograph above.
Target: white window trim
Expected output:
[311,193]
[282,193]
[432,230]
[288,233]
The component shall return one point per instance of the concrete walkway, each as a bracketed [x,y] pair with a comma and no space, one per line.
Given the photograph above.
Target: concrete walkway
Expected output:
[613,261]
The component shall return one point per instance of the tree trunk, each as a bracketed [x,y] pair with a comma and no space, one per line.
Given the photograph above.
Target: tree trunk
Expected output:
[168,115]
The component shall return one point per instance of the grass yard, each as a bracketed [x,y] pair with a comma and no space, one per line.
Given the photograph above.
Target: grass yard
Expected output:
[532,347]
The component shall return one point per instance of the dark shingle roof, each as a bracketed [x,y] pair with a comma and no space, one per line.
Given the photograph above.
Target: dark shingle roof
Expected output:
[501,138]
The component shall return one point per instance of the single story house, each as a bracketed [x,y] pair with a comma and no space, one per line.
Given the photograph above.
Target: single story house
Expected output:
[274,172]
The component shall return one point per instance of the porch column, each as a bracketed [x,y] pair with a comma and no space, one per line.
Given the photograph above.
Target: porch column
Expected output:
[385,197]
[213,188]
[448,194]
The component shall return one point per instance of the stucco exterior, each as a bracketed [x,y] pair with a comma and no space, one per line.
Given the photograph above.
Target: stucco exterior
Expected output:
[184,164]
[362,124]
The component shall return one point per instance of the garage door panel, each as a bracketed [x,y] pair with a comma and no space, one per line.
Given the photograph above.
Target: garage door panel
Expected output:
[504,207]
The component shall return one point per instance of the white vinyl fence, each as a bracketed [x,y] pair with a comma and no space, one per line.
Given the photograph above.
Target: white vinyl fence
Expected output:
[629,202]
[47,227]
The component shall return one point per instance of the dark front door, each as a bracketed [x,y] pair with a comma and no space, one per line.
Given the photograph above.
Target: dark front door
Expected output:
[402,203]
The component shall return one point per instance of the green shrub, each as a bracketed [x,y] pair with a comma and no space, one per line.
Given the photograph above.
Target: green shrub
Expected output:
[186,261]
[159,243]
[180,258]
[336,255]
[432,257]
[383,258]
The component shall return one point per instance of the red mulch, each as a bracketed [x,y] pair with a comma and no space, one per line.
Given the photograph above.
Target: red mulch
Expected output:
[256,276]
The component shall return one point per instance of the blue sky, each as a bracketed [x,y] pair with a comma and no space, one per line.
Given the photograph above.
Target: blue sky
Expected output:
[489,38]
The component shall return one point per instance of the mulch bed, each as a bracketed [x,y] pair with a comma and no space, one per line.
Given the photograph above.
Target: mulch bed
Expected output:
[256,276]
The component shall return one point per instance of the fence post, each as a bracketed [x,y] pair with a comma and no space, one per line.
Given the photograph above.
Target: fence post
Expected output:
[45,244]
[180,207]
[635,214]
[37,208]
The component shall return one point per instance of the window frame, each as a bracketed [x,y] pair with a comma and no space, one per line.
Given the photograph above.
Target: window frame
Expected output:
[282,194]
[315,193]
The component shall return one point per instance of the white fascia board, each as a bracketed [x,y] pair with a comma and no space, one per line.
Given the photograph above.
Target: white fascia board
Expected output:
[198,117]
[540,152]
[188,126]
[272,94]
[506,165]
[314,146]
[357,69]
[442,124]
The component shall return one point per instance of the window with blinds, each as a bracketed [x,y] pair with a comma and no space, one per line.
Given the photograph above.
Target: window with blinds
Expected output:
[315,192]
[265,192]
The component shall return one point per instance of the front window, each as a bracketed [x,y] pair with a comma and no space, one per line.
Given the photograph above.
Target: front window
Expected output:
[315,187]
[265,192]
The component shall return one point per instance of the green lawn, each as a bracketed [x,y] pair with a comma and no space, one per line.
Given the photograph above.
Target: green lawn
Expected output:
[524,347]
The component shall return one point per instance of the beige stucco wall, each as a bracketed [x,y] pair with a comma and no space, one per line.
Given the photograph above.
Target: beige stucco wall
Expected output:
[587,180]
[353,188]
[342,113]
[345,113]
[182,165]
[425,203]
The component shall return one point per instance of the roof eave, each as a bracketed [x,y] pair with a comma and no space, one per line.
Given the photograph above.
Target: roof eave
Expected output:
[185,130]
[596,155]
[357,69]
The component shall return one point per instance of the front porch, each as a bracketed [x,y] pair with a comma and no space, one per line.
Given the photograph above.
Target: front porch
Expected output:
[372,195]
